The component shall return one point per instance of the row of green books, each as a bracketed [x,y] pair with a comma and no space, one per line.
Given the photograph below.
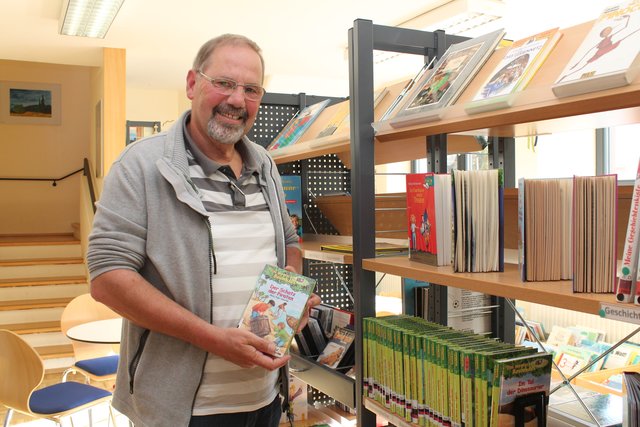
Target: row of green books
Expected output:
[432,375]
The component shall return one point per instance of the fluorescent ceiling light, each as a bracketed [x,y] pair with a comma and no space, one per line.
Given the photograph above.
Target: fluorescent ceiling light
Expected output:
[88,18]
[469,18]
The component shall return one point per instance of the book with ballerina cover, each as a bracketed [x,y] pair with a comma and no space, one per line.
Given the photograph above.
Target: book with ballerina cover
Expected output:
[277,305]
[609,55]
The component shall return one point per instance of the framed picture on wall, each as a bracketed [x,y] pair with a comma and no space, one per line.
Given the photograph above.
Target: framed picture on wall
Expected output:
[30,103]
[139,129]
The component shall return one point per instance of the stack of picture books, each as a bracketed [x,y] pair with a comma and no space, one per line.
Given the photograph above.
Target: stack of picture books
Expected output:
[429,217]
[428,373]
[478,220]
[609,55]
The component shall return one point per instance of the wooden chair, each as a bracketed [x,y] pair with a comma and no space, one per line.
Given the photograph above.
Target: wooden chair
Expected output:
[22,371]
[96,362]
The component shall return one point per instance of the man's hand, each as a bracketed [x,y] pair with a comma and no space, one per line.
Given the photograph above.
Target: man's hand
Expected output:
[247,350]
[311,302]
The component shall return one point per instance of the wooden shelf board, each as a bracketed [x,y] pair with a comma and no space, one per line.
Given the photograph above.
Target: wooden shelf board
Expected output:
[383,412]
[507,284]
[536,110]
[311,250]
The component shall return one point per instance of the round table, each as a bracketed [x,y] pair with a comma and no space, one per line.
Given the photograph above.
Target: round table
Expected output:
[98,332]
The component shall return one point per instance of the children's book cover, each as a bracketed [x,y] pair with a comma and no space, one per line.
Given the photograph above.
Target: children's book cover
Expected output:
[450,77]
[429,217]
[337,347]
[521,390]
[514,71]
[292,186]
[293,130]
[608,56]
[276,306]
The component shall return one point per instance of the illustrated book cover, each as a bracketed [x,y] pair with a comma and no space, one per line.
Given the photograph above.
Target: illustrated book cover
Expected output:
[293,130]
[292,186]
[514,72]
[609,55]
[429,217]
[521,390]
[338,347]
[277,305]
[450,76]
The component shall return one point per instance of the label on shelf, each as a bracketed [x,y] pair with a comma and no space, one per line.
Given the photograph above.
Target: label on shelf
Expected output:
[630,314]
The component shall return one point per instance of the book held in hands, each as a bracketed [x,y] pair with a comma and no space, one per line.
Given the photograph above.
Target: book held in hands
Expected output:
[277,305]
[609,55]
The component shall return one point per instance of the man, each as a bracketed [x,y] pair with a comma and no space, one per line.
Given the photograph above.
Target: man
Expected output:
[186,222]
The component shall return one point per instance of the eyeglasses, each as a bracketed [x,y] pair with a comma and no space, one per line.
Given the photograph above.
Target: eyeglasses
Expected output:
[227,87]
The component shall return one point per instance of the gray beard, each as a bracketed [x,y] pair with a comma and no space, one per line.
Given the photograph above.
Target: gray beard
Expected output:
[223,134]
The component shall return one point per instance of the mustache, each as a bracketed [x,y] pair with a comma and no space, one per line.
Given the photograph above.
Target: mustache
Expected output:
[228,109]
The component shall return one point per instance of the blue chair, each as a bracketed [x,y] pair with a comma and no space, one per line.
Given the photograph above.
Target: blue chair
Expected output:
[96,362]
[22,372]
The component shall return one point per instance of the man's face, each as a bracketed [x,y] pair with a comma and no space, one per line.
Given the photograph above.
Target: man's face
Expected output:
[224,118]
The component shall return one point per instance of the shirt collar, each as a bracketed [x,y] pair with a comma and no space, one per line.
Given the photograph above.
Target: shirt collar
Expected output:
[209,166]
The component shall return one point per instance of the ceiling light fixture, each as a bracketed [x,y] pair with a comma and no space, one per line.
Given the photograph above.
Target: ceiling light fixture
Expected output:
[470,18]
[88,18]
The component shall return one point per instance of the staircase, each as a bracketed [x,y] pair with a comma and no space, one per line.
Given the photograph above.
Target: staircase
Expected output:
[39,275]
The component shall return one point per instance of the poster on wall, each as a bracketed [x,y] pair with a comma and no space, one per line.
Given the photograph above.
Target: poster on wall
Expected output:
[30,103]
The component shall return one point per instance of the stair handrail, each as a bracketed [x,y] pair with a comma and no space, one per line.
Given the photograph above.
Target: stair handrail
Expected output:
[86,171]
[92,193]
[54,181]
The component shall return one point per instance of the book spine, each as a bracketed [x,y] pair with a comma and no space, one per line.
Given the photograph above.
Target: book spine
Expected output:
[628,273]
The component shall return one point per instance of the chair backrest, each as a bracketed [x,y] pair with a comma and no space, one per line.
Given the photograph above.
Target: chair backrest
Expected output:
[21,371]
[83,309]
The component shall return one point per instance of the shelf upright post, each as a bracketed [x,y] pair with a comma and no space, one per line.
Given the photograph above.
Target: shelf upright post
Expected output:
[437,163]
[362,190]
[363,38]
[502,155]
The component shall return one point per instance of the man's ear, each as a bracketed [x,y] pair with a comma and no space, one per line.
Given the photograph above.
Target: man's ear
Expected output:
[191,84]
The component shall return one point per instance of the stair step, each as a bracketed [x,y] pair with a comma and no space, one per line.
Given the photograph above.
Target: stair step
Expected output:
[40,238]
[44,339]
[34,304]
[55,351]
[42,261]
[42,281]
[33,315]
[40,292]
[38,268]
[33,327]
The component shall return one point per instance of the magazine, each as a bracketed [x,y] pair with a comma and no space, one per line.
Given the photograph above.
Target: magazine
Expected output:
[276,306]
